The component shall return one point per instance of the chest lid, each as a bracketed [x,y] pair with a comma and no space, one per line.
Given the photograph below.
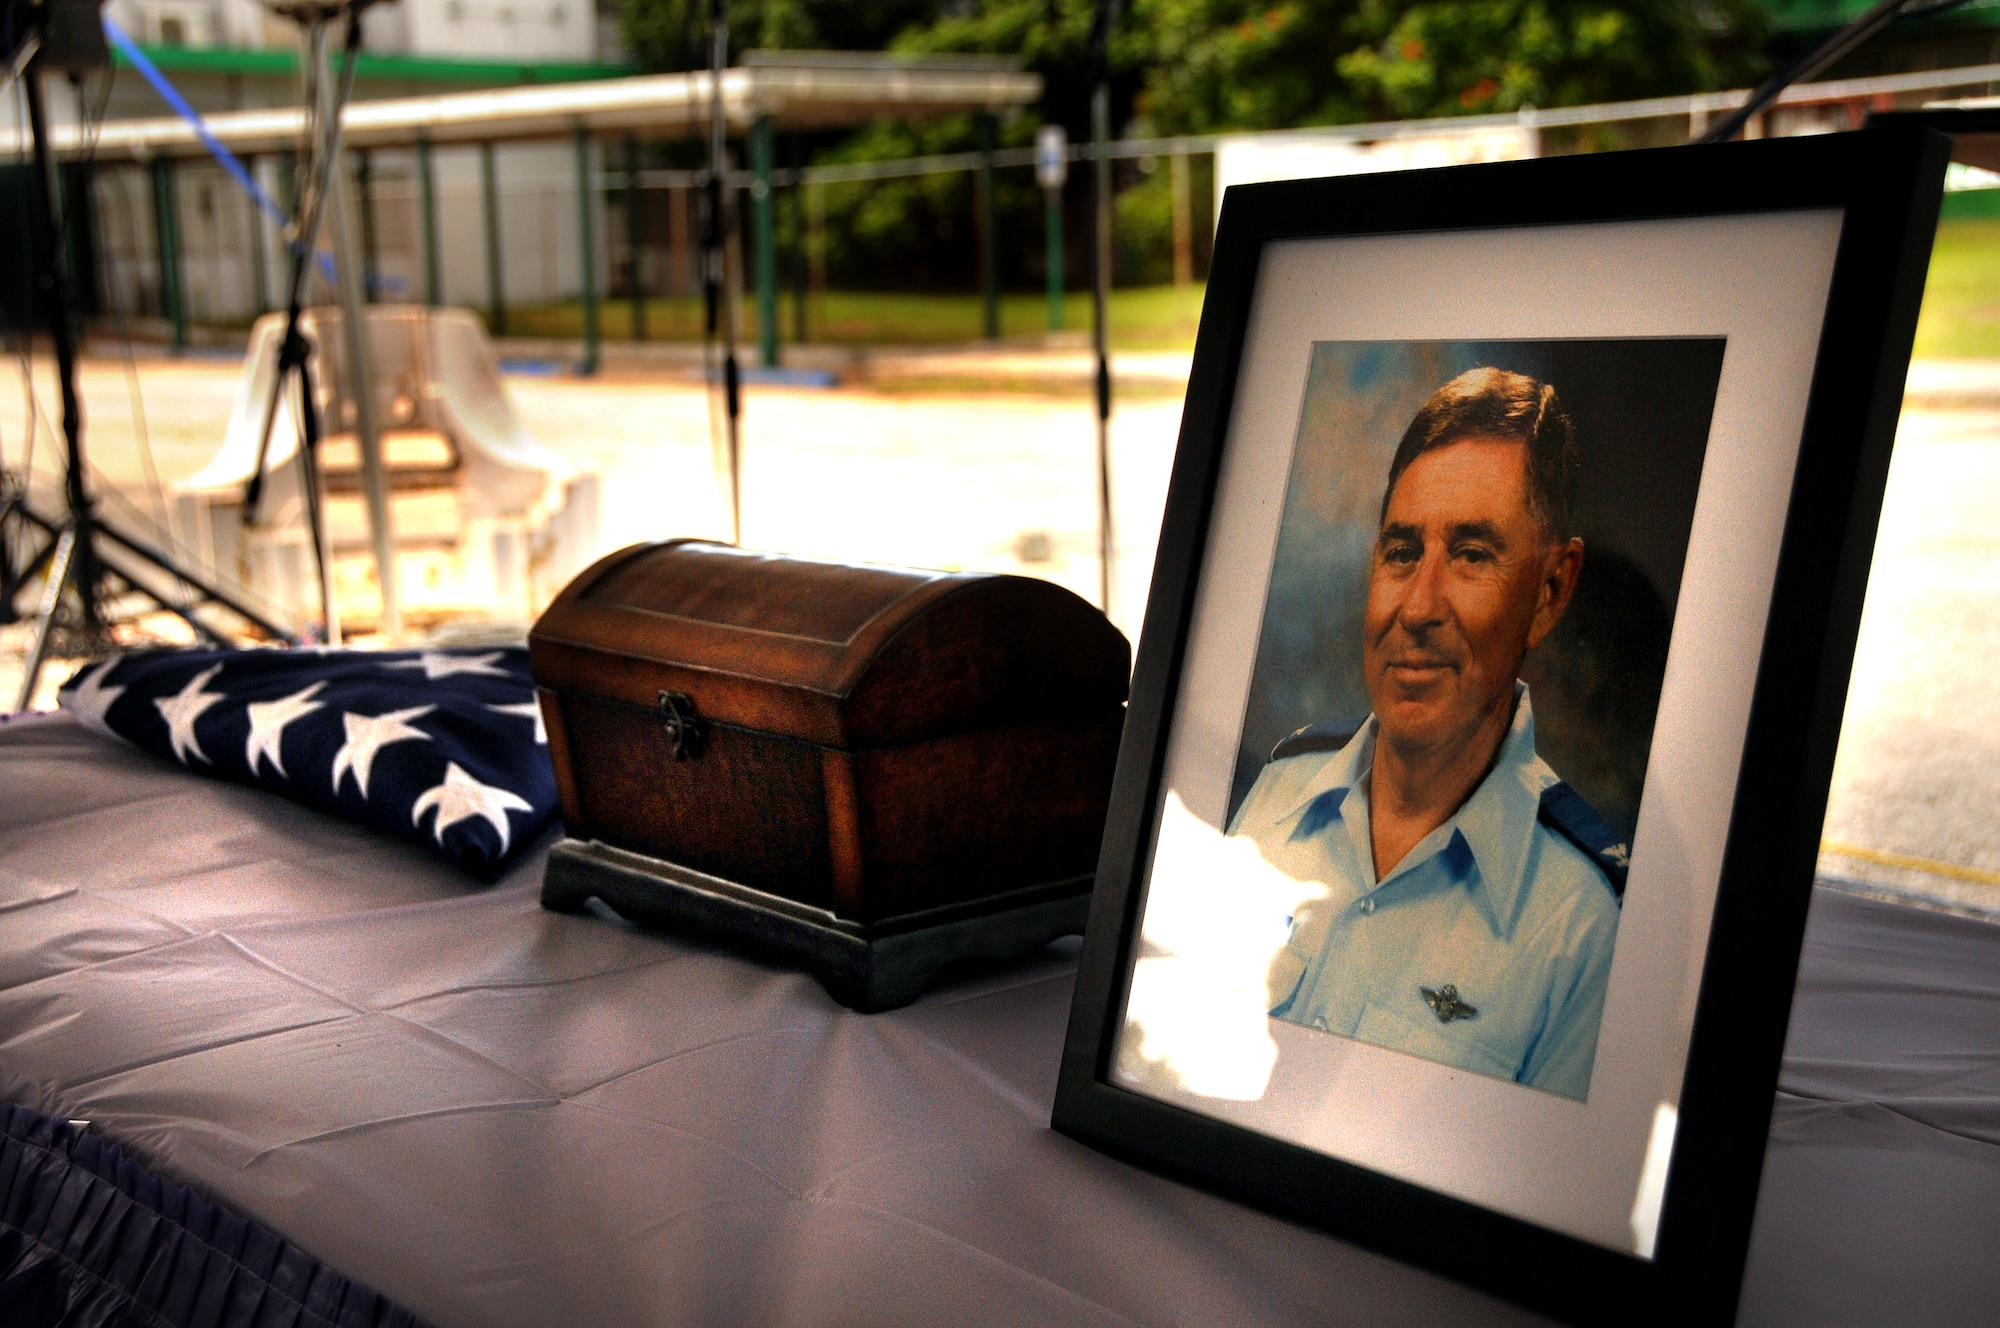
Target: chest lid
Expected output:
[841,654]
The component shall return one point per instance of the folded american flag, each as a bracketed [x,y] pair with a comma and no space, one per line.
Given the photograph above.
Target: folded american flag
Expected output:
[444,748]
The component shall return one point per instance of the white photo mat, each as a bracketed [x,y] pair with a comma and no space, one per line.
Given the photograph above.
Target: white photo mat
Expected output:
[1595,1169]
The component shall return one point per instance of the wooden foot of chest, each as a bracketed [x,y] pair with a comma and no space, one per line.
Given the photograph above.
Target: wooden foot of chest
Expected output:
[866,967]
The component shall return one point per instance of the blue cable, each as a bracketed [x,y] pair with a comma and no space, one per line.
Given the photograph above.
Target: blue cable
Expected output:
[229,160]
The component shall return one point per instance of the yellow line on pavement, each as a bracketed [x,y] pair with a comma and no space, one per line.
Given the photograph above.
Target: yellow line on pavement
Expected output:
[1915,864]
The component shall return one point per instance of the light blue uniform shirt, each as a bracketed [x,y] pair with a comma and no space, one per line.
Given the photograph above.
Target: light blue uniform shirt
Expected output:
[1493,902]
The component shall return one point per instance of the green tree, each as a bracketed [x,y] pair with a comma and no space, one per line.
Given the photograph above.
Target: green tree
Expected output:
[672,35]
[1195,66]
[1250,64]
[1498,55]
[923,228]
[1050,38]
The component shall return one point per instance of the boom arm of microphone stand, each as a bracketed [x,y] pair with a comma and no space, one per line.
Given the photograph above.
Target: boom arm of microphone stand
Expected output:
[1820,57]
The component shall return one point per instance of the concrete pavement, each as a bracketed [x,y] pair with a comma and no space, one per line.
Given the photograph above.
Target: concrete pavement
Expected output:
[1003,481]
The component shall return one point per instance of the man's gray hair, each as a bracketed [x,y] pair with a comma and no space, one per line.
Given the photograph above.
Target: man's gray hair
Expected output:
[1493,403]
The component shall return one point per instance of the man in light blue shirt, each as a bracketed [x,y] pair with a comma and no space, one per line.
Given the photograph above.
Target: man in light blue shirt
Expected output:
[1472,897]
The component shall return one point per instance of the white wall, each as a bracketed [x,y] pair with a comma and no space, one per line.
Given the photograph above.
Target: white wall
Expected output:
[1254,158]
[538,230]
[524,30]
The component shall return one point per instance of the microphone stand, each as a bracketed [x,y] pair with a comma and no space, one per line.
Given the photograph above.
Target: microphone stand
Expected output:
[1100,282]
[295,352]
[80,584]
[1821,57]
[718,311]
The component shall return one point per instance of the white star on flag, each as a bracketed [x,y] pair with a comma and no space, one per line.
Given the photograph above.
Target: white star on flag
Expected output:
[183,708]
[462,797]
[437,664]
[267,726]
[369,734]
[90,700]
[526,710]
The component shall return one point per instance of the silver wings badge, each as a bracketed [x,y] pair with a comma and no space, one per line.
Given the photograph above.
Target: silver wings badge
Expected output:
[1446,1005]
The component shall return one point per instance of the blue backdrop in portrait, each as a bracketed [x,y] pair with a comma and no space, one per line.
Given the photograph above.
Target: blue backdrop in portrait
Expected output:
[1641,408]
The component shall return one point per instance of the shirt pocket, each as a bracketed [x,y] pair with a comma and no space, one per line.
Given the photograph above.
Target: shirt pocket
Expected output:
[1420,1033]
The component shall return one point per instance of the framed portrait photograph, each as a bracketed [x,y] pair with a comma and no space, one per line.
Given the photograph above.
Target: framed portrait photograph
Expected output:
[1483,717]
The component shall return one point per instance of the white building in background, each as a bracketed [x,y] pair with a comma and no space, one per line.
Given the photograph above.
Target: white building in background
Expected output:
[529,31]
[235,54]
[1305,154]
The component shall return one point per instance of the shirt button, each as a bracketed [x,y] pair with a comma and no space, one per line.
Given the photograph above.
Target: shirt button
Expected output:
[1368,905]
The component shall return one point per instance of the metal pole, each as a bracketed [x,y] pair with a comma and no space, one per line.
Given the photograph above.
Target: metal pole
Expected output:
[358,386]
[719,279]
[816,248]
[73,186]
[58,578]
[586,251]
[681,277]
[795,246]
[53,282]
[260,276]
[295,357]
[737,268]
[762,221]
[1183,225]
[1100,301]
[989,230]
[1055,257]
[489,187]
[635,231]
[371,247]
[1052,173]
[427,199]
[167,228]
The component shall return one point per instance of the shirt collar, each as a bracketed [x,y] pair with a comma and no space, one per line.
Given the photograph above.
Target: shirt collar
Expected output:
[1342,773]
[1497,822]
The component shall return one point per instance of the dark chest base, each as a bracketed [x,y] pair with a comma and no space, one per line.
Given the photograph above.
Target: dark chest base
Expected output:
[864,966]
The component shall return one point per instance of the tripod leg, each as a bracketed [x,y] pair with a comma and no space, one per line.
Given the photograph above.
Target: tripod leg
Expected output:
[316,526]
[208,590]
[52,590]
[11,583]
[164,601]
[16,525]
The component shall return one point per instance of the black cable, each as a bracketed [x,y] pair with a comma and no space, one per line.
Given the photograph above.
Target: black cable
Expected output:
[1931,10]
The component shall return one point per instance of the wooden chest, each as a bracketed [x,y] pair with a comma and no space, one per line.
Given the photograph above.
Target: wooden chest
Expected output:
[873,769]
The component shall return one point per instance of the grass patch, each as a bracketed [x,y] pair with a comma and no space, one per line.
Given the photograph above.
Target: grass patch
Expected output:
[1078,389]
[1142,318]
[1960,318]
[1961,312]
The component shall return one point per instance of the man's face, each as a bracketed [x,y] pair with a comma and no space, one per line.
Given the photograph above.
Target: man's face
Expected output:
[1463,584]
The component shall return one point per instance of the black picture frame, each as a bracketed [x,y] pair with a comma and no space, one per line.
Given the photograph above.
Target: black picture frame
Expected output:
[1887,184]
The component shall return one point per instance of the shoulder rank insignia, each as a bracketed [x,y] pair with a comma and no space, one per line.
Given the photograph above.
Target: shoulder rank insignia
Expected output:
[1328,736]
[1564,811]
[1446,1005]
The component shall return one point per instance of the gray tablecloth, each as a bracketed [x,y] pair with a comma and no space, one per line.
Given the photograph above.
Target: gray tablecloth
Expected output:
[498,1115]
